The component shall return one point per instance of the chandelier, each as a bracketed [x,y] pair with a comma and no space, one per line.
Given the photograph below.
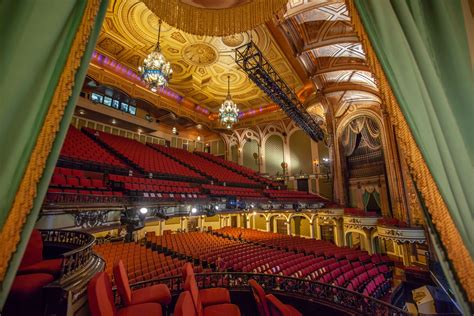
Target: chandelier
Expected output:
[229,112]
[156,70]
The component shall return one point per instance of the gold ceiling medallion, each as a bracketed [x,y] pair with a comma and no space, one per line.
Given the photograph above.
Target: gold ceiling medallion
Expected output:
[233,40]
[200,54]
[197,18]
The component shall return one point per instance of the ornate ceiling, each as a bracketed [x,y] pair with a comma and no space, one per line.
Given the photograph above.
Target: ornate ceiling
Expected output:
[322,37]
[200,64]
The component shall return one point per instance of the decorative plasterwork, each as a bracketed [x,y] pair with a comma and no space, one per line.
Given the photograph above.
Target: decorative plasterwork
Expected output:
[401,235]
[200,63]
[360,222]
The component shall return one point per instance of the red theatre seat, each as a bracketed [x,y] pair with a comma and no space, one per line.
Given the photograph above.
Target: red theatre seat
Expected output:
[158,293]
[101,301]
[32,261]
[211,296]
[27,288]
[212,310]
[262,301]
[277,308]
[184,306]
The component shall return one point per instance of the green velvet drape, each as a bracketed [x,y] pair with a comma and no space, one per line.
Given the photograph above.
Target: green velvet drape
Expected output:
[36,40]
[422,47]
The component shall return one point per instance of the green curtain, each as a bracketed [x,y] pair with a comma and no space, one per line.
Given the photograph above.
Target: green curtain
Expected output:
[365,199]
[37,37]
[422,47]
[377,198]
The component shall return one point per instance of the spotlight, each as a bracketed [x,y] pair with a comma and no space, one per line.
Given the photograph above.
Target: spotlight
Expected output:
[193,210]
[199,138]
[252,205]
[143,210]
[216,207]
[114,121]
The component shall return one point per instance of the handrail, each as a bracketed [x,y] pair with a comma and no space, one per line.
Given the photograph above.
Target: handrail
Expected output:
[76,258]
[304,289]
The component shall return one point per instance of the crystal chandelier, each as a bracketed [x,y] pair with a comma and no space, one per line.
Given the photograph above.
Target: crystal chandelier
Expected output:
[156,70]
[229,112]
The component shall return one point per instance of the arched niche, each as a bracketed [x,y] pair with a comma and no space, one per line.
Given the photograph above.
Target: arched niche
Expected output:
[234,153]
[248,150]
[300,153]
[273,154]
[363,162]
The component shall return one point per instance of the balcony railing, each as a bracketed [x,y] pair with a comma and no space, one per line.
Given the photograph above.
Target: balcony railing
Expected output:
[78,257]
[312,291]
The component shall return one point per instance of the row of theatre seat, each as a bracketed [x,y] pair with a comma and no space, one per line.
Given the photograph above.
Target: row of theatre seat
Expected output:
[348,270]
[78,146]
[84,183]
[143,156]
[141,263]
[238,168]
[304,245]
[205,166]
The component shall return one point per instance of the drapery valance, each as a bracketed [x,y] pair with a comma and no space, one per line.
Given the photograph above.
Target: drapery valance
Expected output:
[369,131]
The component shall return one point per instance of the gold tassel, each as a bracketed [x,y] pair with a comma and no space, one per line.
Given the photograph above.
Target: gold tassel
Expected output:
[23,202]
[455,248]
[215,22]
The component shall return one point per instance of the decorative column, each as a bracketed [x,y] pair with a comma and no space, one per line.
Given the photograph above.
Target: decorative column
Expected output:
[162,225]
[267,225]
[288,228]
[318,230]
[311,229]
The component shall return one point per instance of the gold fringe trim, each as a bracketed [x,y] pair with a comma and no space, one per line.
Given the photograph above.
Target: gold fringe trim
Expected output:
[455,248]
[215,22]
[11,232]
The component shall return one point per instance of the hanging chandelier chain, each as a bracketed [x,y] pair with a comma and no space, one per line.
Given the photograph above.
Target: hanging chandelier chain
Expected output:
[159,34]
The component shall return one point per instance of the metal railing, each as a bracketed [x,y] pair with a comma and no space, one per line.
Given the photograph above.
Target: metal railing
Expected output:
[311,291]
[75,259]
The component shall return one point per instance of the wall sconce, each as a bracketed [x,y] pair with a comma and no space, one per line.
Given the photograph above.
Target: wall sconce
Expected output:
[198,138]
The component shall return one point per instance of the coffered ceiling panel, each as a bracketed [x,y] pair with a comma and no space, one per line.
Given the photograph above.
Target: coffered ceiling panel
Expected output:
[322,36]
[200,64]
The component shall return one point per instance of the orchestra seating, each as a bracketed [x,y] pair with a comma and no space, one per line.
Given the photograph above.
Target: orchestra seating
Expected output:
[205,166]
[340,266]
[141,263]
[144,157]
[77,146]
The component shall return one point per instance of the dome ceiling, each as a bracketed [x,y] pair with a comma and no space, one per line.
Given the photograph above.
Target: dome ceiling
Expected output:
[200,64]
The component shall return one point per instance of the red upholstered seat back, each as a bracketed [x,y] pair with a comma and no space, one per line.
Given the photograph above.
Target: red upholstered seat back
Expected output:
[123,285]
[276,307]
[187,270]
[34,250]
[184,306]
[99,294]
[260,299]
[191,285]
